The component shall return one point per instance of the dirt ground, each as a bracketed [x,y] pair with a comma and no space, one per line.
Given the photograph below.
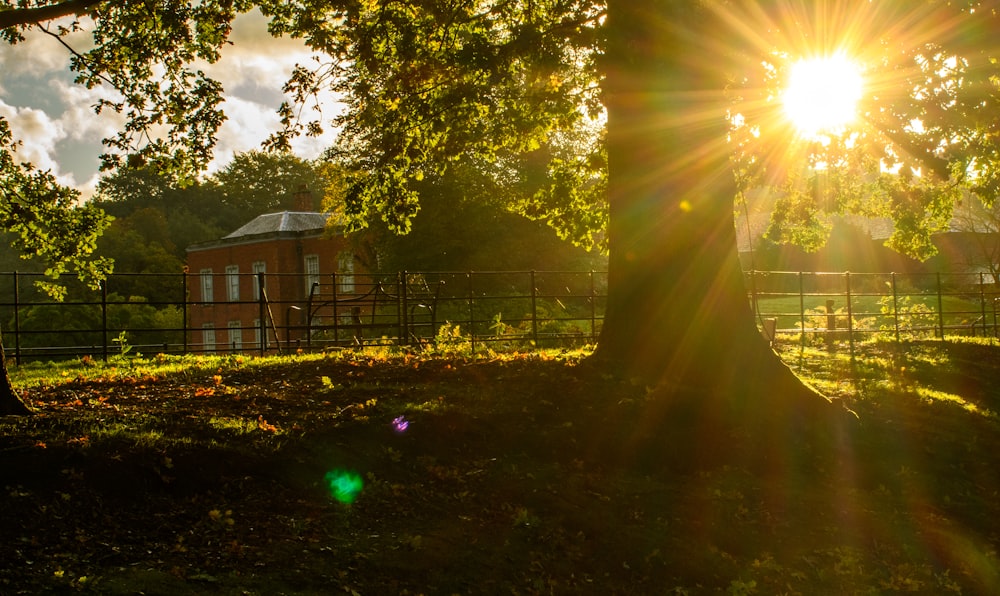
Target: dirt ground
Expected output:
[517,475]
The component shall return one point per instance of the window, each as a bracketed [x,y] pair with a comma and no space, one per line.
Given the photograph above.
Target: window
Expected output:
[258,268]
[208,337]
[312,272]
[206,285]
[233,282]
[257,334]
[345,273]
[235,335]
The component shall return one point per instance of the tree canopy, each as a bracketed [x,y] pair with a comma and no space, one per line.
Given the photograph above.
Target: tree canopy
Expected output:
[925,126]
[172,216]
[432,82]
[43,219]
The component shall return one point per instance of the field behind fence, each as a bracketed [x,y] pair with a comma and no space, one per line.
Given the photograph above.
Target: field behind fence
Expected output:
[850,307]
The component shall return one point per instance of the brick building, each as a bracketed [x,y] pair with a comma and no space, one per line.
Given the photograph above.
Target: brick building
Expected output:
[288,252]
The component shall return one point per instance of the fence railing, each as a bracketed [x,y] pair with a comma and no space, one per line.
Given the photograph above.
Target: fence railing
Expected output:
[848,307]
[182,313]
[263,312]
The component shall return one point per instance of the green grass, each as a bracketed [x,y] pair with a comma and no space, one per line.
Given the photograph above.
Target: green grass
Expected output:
[517,475]
[919,311]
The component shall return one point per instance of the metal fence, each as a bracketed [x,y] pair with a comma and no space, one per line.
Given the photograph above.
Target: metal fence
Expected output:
[848,307]
[165,313]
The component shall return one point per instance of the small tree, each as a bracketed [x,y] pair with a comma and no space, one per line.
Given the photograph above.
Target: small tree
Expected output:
[46,222]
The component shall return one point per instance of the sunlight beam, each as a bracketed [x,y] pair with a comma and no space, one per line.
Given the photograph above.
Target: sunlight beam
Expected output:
[822,94]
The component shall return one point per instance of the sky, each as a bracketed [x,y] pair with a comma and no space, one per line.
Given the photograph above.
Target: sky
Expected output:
[60,132]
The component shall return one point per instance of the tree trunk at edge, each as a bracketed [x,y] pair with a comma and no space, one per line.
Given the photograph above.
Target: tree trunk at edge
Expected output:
[678,314]
[10,401]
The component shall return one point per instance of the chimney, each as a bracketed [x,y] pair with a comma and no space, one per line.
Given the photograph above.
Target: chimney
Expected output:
[303,200]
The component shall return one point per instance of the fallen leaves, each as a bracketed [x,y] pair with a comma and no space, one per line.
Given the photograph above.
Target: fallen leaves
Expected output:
[265,426]
[483,492]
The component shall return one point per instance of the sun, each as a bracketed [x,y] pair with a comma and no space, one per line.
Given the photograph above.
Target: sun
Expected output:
[822,94]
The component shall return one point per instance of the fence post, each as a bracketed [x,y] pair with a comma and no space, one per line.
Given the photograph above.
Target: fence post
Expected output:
[336,314]
[593,309]
[472,314]
[261,320]
[982,301]
[402,309]
[104,317]
[850,314]
[184,311]
[534,309]
[895,305]
[996,328]
[940,307]
[17,320]
[802,317]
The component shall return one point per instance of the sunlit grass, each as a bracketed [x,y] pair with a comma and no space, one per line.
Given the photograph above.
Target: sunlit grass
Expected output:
[138,437]
[48,374]
[55,373]
[236,426]
[933,395]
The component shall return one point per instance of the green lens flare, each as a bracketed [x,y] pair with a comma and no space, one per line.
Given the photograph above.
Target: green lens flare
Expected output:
[344,486]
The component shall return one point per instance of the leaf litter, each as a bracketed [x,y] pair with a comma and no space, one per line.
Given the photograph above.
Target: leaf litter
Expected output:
[508,475]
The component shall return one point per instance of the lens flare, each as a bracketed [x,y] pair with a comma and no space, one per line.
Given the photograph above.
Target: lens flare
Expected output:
[400,424]
[344,486]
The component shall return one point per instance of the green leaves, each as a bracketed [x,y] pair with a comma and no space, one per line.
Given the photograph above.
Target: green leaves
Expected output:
[926,123]
[430,84]
[46,220]
[146,53]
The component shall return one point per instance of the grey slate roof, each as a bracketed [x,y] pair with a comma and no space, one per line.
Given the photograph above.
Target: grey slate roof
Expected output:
[286,221]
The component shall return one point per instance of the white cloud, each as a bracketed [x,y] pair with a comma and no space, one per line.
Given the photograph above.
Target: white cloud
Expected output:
[78,116]
[253,70]
[248,124]
[87,188]
[40,54]
[37,132]
[60,132]
[40,138]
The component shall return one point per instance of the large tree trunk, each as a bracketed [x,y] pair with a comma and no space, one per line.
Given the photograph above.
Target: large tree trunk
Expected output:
[677,312]
[10,401]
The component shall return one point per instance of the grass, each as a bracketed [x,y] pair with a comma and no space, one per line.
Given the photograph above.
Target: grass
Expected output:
[379,471]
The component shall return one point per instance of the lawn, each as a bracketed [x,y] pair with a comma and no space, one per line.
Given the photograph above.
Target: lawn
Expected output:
[388,473]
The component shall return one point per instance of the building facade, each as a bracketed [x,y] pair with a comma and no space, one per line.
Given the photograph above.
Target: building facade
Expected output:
[250,289]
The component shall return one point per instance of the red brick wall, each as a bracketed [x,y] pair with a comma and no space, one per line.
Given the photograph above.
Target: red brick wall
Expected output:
[284,283]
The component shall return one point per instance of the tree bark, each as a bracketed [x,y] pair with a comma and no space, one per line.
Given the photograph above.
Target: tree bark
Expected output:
[19,17]
[678,312]
[10,401]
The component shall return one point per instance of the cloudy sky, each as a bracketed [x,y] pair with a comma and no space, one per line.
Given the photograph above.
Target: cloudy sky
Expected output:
[60,132]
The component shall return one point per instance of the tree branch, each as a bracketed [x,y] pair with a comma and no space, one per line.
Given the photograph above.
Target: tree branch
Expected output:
[18,17]
[939,166]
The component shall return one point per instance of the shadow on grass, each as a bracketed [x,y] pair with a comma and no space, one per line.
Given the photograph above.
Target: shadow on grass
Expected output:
[512,475]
